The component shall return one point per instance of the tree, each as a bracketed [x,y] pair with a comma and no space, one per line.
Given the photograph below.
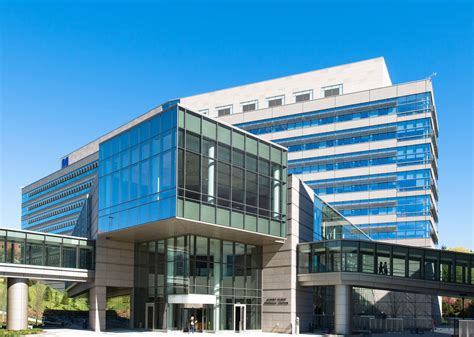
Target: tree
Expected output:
[65,300]
[38,294]
[48,296]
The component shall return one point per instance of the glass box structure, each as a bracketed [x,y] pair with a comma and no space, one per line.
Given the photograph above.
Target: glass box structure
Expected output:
[198,197]
[180,164]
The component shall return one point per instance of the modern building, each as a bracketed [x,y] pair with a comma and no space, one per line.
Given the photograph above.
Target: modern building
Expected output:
[204,205]
[366,146]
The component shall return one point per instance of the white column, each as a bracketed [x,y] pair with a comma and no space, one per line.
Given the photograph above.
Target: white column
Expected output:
[17,303]
[97,306]
[217,279]
[276,192]
[342,309]
[211,174]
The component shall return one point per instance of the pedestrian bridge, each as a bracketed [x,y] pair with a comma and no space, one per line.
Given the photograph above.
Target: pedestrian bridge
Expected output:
[33,255]
[386,266]
[376,265]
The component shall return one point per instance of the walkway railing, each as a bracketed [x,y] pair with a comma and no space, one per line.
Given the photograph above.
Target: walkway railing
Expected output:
[41,249]
[386,259]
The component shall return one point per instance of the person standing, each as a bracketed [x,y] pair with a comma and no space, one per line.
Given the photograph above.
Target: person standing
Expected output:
[192,324]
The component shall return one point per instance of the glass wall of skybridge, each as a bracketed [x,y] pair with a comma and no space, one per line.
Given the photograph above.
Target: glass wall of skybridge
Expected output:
[39,249]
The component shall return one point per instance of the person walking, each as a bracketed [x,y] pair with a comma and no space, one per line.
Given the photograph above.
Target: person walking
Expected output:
[385,268]
[381,268]
[192,324]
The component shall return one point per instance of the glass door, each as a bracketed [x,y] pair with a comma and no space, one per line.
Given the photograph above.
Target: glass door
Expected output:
[239,317]
[149,316]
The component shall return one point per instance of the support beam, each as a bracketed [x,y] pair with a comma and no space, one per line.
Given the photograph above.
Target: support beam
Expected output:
[97,306]
[17,303]
[342,309]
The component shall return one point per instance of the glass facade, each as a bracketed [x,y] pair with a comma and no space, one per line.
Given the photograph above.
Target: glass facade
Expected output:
[182,164]
[137,174]
[416,144]
[230,178]
[401,181]
[400,106]
[401,156]
[386,259]
[329,224]
[55,206]
[29,248]
[230,271]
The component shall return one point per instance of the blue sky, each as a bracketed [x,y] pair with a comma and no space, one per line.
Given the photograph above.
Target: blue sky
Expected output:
[73,70]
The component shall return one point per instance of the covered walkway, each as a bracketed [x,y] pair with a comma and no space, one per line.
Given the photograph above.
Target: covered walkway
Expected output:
[376,265]
[28,255]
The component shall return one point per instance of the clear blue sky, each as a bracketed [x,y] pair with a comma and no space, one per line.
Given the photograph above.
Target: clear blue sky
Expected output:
[73,70]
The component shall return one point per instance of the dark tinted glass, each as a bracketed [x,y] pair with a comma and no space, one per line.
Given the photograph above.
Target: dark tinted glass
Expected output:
[331,92]
[249,107]
[275,102]
[303,97]
[224,152]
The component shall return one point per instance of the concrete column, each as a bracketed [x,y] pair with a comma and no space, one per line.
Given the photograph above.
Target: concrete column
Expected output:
[276,193]
[216,248]
[211,181]
[342,309]
[17,303]
[97,306]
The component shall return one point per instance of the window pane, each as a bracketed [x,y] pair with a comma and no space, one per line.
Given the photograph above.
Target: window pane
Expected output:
[193,142]
[192,175]
[238,187]
[251,163]
[251,192]
[223,181]
[223,152]
[238,158]
[264,195]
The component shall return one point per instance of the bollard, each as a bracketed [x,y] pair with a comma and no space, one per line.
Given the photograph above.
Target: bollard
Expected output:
[297,325]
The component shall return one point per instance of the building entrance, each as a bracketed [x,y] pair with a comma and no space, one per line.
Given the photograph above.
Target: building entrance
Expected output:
[181,317]
[149,316]
[239,317]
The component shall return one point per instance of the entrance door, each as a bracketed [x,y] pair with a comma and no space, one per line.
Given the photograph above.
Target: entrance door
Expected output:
[199,318]
[149,316]
[239,317]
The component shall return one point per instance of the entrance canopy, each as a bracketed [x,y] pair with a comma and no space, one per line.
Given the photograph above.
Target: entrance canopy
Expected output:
[192,300]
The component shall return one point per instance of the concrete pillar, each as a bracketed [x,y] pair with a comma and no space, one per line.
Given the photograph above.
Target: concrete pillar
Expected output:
[17,303]
[342,309]
[97,306]
[211,173]
[216,248]
[276,193]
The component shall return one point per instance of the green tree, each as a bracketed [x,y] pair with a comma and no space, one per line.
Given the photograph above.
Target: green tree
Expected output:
[37,300]
[65,300]
[48,296]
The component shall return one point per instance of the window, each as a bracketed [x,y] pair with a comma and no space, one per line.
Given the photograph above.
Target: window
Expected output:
[204,112]
[334,90]
[275,101]
[249,106]
[302,96]
[224,110]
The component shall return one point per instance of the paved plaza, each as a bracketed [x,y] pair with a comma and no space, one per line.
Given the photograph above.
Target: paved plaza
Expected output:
[125,333]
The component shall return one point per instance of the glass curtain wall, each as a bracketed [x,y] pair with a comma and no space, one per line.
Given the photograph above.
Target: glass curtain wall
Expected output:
[28,248]
[386,259]
[137,174]
[198,265]
[230,178]
[329,224]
